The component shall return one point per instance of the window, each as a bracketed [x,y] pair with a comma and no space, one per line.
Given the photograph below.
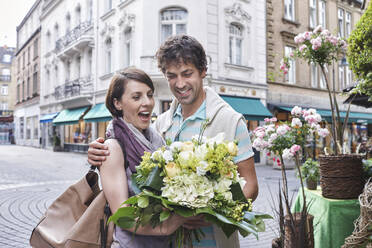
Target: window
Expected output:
[289,10]
[4,90]
[7,58]
[28,127]
[108,47]
[322,13]
[23,60]
[291,75]
[108,5]
[56,79]
[314,75]
[18,93]
[68,71]
[5,106]
[56,32]
[78,15]
[165,105]
[36,128]
[348,24]
[312,8]
[21,127]
[90,10]
[34,81]
[235,44]
[68,23]
[36,47]
[341,76]
[127,45]
[341,22]
[28,87]
[349,76]
[28,55]
[6,72]
[173,21]
[322,82]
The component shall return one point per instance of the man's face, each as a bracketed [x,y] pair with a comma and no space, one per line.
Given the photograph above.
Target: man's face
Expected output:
[185,82]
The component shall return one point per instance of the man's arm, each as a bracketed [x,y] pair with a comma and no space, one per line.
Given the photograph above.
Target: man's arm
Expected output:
[248,172]
[97,152]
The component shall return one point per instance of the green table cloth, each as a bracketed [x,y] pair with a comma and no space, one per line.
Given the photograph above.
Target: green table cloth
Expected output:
[333,219]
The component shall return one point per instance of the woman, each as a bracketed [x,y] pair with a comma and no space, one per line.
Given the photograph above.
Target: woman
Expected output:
[130,101]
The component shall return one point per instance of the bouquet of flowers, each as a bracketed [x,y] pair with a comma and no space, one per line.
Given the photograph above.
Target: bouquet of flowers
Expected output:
[191,178]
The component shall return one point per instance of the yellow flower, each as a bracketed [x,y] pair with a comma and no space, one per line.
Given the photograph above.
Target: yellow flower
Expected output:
[187,146]
[172,169]
[232,148]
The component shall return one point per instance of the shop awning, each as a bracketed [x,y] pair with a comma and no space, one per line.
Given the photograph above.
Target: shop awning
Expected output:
[98,113]
[251,108]
[48,117]
[327,115]
[69,116]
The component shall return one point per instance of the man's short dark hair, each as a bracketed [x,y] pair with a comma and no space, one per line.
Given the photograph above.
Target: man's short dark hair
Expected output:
[181,49]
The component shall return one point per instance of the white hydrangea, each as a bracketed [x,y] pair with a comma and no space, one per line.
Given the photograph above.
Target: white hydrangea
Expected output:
[190,190]
[168,156]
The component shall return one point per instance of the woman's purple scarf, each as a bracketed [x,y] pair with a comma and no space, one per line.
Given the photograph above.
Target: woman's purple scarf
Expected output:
[129,143]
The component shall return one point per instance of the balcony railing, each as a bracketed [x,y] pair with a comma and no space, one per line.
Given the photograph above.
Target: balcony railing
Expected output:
[72,36]
[5,78]
[73,88]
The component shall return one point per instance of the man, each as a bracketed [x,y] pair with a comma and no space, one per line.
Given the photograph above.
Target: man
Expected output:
[183,61]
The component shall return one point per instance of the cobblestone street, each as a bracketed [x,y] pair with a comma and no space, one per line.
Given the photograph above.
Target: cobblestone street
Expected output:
[32,178]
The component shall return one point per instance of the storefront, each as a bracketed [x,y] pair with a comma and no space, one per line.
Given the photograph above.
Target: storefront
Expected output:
[99,115]
[74,133]
[253,111]
[47,130]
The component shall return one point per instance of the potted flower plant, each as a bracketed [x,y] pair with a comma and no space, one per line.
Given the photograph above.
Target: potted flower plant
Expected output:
[340,172]
[310,173]
[285,140]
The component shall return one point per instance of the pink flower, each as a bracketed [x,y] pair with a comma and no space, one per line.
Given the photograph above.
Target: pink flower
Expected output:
[301,48]
[294,149]
[273,119]
[299,39]
[266,120]
[282,129]
[268,154]
[323,132]
[318,29]
[296,111]
[296,123]
[316,43]
[307,35]
[274,159]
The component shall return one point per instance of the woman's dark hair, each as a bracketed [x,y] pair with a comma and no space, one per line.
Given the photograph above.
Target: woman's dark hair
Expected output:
[119,83]
[181,48]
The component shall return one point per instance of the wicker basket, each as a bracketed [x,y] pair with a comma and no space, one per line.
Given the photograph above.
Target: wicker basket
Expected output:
[311,185]
[341,176]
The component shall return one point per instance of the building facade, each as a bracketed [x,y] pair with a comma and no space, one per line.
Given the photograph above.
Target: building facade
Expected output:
[6,95]
[83,43]
[27,67]
[304,84]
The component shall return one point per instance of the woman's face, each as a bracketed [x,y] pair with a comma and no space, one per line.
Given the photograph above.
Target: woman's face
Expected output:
[137,104]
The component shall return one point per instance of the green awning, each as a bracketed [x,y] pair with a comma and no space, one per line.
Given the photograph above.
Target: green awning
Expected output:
[251,108]
[327,115]
[69,116]
[98,113]
[48,117]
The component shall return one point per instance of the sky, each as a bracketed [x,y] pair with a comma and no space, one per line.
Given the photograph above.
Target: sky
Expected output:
[12,13]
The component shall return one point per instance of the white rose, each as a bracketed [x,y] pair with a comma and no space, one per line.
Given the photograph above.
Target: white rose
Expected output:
[185,155]
[172,169]
[175,146]
[218,139]
[232,148]
[187,146]
[296,123]
[201,152]
[296,111]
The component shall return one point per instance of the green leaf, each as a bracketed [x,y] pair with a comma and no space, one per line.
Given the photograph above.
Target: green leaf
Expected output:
[237,193]
[260,226]
[184,212]
[123,212]
[154,180]
[135,186]
[143,201]
[132,200]
[147,215]
[164,215]
[125,222]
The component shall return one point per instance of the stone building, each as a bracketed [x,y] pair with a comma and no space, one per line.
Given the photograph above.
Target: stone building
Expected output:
[304,85]
[84,43]
[6,94]
[27,76]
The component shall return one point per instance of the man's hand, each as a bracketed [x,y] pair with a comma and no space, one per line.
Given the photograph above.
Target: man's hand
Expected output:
[195,222]
[97,152]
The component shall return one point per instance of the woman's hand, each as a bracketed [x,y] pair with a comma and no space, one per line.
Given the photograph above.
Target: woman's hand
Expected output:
[97,152]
